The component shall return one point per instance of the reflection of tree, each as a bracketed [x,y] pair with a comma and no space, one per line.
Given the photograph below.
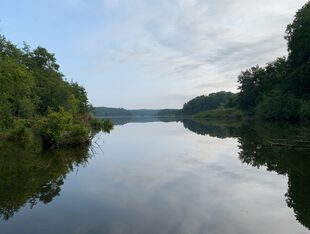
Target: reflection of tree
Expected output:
[298,194]
[28,177]
[220,131]
[133,119]
[257,150]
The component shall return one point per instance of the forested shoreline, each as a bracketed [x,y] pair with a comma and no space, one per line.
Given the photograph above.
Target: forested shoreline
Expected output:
[280,91]
[37,104]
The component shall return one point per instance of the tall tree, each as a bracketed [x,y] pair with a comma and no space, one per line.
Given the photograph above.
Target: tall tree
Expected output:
[298,38]
[250,87]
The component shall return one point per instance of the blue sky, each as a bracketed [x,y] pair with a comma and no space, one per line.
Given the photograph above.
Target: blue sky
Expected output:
[147,53]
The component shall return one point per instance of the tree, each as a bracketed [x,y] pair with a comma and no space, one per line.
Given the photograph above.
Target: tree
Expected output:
[298,38]
[16,90]
[209,102]
[36,100]
[250,87]
[80,95]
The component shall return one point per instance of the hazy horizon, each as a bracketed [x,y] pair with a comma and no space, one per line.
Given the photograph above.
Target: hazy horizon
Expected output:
[152,54]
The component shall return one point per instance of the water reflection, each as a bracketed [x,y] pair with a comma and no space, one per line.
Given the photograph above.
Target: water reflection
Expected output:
[220,131]
[280,148]
[125,120]
[29,177]
[264,145]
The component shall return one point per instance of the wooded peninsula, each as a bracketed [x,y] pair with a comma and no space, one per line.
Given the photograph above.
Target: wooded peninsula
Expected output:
[37,104]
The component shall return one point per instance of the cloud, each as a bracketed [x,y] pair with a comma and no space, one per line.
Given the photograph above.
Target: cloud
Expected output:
[204,43]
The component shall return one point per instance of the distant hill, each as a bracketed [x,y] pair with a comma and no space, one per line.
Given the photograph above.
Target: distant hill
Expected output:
[169,112]
[144,112]
[111,112]
[121,112]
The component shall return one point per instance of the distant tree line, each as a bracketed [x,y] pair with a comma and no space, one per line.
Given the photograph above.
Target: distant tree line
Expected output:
[121,112]
[209,102]
[35,100]
[111,112]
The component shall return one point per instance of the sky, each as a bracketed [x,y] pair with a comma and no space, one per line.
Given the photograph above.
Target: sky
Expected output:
[151,53]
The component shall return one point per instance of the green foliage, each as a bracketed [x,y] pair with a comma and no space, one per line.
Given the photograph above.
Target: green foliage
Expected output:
[298,40]
[61,129]
[16,90]
[250,87]
[20,131]
[77,134]
[212,101]
[298,82]
[121,112]
[169,113]
[278,105]
[34,93]
[144,112]
[221,114]
[95,123]
[106,125]
[31,83]
[54,126]
[80,95]
[281,90]
[108,112]
[298,37]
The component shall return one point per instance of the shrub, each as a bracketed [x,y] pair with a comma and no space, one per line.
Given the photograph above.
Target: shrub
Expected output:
[106,125]
[20,131]
[95,123]
[77,134]
[54,126]
[279,106]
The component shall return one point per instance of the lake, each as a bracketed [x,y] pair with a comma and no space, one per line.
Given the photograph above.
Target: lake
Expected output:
[149,176]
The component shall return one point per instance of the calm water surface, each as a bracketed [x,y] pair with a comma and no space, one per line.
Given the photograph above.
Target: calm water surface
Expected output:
[160,177]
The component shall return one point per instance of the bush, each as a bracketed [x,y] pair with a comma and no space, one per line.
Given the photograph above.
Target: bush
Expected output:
[279,106]
[20,131]
[77,134]
[106,125]
[54,126]
[95,123]
[62,129]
